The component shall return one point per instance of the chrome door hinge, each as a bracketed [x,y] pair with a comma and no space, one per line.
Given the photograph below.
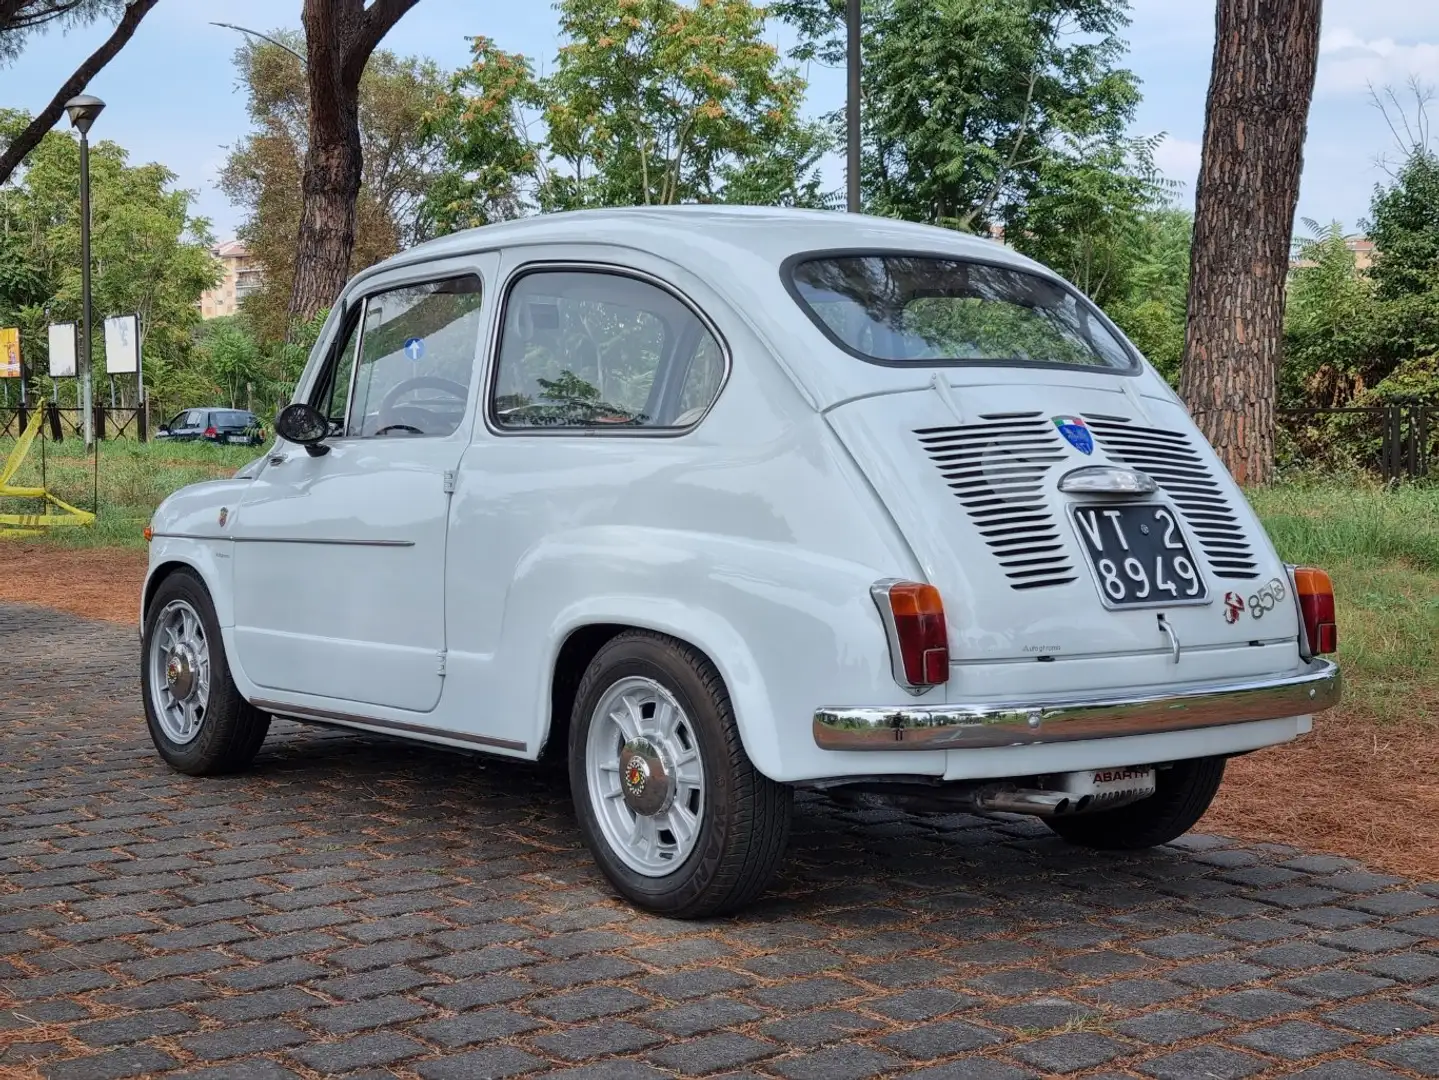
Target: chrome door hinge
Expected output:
[449,481]
[440,665]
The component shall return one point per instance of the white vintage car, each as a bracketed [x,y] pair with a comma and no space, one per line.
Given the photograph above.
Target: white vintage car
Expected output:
[718,503]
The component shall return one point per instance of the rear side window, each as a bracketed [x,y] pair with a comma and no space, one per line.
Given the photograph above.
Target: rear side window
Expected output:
[915,309]
[602,351]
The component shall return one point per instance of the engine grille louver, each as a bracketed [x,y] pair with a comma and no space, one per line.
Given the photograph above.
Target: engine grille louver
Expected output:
[1169,457]
[997,469]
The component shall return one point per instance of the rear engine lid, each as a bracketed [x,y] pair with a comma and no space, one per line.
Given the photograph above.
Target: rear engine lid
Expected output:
[972,476]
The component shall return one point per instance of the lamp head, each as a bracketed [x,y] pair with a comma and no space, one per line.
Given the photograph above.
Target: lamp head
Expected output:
[83,110]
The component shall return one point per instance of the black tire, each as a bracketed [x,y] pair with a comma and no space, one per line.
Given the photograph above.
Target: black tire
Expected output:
[744,827]
[230,729]
[1182,794]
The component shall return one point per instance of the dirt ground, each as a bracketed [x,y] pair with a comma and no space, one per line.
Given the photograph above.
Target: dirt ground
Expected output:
[1357,786]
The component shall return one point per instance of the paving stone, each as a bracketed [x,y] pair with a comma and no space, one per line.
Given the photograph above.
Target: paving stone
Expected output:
[971,1068]
[1134,993]
[253,1069]
[1218,974]
[1257,1004]
[1369,939]
[837,1063]
[380,1048]
[1038,1015]
[699,1017]
[134,1028]
[1337,984]
[483,1025]
[1210,1062]
[1420,1055]
[1017,982]
[1380,1017]
[1396,903]
[712,1053]
[805,993]
[491,990]
[1412,967]
[112,1065]
[1070,1052]
[1345,1070]
[940,1039]
[233,1042]
[622,1069]
[1295,955]
[1294,1039]
[1184,946]
[261,1005]
[360,1015]
[1259,930]
[1331,918]
[1168,1026]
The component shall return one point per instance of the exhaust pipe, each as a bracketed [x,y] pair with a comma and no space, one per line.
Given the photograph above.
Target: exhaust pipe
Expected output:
[1011,800]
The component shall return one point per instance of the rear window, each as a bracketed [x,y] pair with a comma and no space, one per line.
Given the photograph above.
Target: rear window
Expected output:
[922,310]
[229,418]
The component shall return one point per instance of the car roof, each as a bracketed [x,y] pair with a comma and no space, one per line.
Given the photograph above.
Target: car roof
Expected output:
[692,234]
[738,252]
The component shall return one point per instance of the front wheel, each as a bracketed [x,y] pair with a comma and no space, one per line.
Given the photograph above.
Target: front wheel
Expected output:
[1182,794]
[198,721]
[674,812]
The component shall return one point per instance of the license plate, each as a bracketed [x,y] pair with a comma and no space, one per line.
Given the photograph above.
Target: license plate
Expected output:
[1139,556]
[236,439]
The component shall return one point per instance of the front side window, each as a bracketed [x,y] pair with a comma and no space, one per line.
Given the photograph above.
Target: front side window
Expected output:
[416,359]
[601,350]
[922,310]
[195,418]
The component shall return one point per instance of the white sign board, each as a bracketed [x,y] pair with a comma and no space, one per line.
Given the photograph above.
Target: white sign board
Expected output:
[62,350]
[122,344]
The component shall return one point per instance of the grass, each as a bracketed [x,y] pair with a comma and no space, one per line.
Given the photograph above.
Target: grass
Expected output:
[1380,545]
[133,479]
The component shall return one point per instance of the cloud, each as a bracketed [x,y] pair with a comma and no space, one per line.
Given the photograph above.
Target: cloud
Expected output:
[1350,63]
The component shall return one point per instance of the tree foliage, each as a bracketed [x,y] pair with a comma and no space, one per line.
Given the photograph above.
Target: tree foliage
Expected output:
[264,172]
[150,255]
[651,102]
[971,106]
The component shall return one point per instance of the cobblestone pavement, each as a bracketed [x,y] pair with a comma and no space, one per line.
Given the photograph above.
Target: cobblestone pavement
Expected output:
[357,906]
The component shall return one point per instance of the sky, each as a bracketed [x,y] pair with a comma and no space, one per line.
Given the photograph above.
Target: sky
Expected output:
[172,95]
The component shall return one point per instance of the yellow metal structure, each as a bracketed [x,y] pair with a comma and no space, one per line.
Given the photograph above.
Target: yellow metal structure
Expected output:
[27,524]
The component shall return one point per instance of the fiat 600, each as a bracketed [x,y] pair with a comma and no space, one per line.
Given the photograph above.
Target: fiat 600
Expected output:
[715,504]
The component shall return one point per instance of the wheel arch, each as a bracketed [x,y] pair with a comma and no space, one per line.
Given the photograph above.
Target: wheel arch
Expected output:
[202,561]
[583,640]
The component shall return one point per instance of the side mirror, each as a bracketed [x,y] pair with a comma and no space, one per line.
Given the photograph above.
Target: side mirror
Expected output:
[303,424]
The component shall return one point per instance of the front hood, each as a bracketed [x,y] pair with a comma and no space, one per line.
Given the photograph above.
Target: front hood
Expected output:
[971,476]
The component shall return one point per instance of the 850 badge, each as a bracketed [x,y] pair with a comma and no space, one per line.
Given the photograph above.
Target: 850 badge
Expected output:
[1269,595]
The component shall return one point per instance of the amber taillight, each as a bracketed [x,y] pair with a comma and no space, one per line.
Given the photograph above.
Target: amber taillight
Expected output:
[1315,594]
[913,616]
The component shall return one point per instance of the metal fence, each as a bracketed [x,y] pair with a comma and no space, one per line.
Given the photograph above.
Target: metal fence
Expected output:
[67,422]
[1394,441]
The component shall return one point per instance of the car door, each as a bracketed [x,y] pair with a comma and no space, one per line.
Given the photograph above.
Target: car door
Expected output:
[340,556]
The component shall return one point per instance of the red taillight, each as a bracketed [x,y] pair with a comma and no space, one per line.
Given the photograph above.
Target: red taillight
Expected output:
[211,432]
[1315,593]
[919,641]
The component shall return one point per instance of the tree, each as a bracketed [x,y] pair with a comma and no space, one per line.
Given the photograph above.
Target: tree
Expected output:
[656,102]
[151,257]
[1151,310]
[1331,319]
[1261,84]
[263,174]
[38,13]
[967,103]
[340,36]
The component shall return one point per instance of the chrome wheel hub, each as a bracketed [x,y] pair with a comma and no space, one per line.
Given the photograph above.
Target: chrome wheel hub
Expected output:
[646,779]
[179,671]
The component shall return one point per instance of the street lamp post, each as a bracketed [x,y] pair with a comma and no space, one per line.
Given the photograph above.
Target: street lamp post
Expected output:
[852,60]
[83,110]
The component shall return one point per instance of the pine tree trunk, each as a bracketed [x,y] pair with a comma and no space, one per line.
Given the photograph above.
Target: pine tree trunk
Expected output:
[331,186]
[1265,55]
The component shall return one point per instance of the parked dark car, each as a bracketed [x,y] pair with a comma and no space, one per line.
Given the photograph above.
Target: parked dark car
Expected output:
[235,426]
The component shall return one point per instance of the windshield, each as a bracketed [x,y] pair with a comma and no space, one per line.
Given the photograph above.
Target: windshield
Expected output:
[922,310]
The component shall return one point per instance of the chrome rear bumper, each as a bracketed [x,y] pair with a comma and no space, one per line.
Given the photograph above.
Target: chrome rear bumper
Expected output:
[968,727]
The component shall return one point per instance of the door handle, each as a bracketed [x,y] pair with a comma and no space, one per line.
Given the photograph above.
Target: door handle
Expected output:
[279,459]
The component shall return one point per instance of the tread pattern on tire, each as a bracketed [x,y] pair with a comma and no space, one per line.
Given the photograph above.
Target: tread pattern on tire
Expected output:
[1182,796]
[230,742]
[759,829]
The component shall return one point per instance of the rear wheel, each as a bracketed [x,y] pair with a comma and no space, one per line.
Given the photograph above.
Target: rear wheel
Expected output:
[674,812]
[1182,794]
[198,721]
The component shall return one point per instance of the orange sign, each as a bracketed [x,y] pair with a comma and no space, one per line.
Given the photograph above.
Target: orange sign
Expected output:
[9,352]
